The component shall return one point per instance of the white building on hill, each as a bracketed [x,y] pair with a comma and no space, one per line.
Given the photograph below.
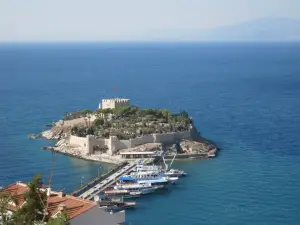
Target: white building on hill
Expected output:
[113,103]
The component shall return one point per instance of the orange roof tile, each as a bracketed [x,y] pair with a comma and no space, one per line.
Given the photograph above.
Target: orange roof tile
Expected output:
[73,206]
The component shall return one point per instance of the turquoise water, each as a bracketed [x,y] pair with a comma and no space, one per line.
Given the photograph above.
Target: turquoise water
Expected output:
[243,96]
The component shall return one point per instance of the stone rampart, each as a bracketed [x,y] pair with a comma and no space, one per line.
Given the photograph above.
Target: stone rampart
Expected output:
[172,137]
[142,140]
[114,144]
[77,141]
[114,103]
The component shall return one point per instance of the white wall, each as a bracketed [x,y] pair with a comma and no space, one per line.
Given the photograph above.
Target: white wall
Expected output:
[114,144]
[142,140]
[77,141]
[106,104]
[172,137]
[114,103]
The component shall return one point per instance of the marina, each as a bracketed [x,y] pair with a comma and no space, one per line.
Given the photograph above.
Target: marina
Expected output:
[107,182]
[127,181]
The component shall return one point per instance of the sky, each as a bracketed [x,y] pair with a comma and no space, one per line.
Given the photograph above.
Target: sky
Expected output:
[122,20]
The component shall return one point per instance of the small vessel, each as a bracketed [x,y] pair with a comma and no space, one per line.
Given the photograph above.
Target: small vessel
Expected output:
[143,168]
[158,183]
[143,188]
[121,193]
[156,180]
[211,155]
[153,175]
[114,203]
[175,173]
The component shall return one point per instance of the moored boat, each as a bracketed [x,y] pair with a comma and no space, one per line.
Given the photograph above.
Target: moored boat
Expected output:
[155,181]
[175,173]
[122,193]
[143,188]
[114,203]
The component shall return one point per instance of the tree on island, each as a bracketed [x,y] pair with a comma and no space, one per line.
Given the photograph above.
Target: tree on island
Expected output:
[130,122]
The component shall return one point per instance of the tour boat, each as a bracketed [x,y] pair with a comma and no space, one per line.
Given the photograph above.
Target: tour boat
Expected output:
[143,188]
[143,168]
[159,169]
[151,175]
[155,178]
[159,183]
[169,173]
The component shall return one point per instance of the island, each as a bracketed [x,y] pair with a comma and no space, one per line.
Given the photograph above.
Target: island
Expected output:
[118,131]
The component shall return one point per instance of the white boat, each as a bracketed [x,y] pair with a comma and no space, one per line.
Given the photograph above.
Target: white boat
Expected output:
[156,169]
[155,180]
[152,175]
[144,168]
[211,155]
[175,173]
[158,183]
[143,188]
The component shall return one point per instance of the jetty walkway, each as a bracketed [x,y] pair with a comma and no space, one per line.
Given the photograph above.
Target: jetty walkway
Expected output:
[100,184]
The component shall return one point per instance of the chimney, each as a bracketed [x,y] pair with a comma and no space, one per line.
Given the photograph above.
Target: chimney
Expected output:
[61,194]
[48,191]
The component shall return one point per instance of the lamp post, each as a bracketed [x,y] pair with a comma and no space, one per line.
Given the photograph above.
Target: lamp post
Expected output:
[99,171]
[81,181]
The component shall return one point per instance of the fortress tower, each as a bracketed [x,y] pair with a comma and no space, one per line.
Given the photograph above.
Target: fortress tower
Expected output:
[114,103]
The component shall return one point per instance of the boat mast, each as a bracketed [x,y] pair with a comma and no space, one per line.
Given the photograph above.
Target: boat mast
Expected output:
[173,160]
[166,166]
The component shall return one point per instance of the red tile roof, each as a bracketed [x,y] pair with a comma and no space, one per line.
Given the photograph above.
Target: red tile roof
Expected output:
[73,206]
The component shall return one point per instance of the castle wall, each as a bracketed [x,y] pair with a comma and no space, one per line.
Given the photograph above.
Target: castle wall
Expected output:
[114,103]
[172,137]
[125,144]
[107,104]
[142,140]
[96,142]
[121,104]
[87,143]
[77,141]
[113,144]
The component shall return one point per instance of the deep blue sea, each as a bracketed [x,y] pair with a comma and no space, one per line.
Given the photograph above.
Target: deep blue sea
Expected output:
[245,97]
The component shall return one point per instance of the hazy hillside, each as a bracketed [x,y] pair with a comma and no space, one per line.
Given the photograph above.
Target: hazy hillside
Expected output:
[266,29]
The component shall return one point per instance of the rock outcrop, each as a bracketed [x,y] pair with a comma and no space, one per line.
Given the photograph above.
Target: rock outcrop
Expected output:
[54,134]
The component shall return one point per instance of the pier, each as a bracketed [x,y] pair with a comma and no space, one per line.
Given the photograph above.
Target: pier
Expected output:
[99,184]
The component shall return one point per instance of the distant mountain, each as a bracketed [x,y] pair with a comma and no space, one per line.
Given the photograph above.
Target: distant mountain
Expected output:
[266,29]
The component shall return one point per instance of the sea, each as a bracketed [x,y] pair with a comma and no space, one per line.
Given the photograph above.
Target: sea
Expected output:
[243,96]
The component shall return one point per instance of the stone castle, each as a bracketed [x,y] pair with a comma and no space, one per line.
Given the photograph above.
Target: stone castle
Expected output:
[90,143]
[113,103]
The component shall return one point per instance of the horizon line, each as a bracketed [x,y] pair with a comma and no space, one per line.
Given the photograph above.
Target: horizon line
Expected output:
[147,42]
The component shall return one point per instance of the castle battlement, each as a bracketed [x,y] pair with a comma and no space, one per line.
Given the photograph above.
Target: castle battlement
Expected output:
[114,103]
